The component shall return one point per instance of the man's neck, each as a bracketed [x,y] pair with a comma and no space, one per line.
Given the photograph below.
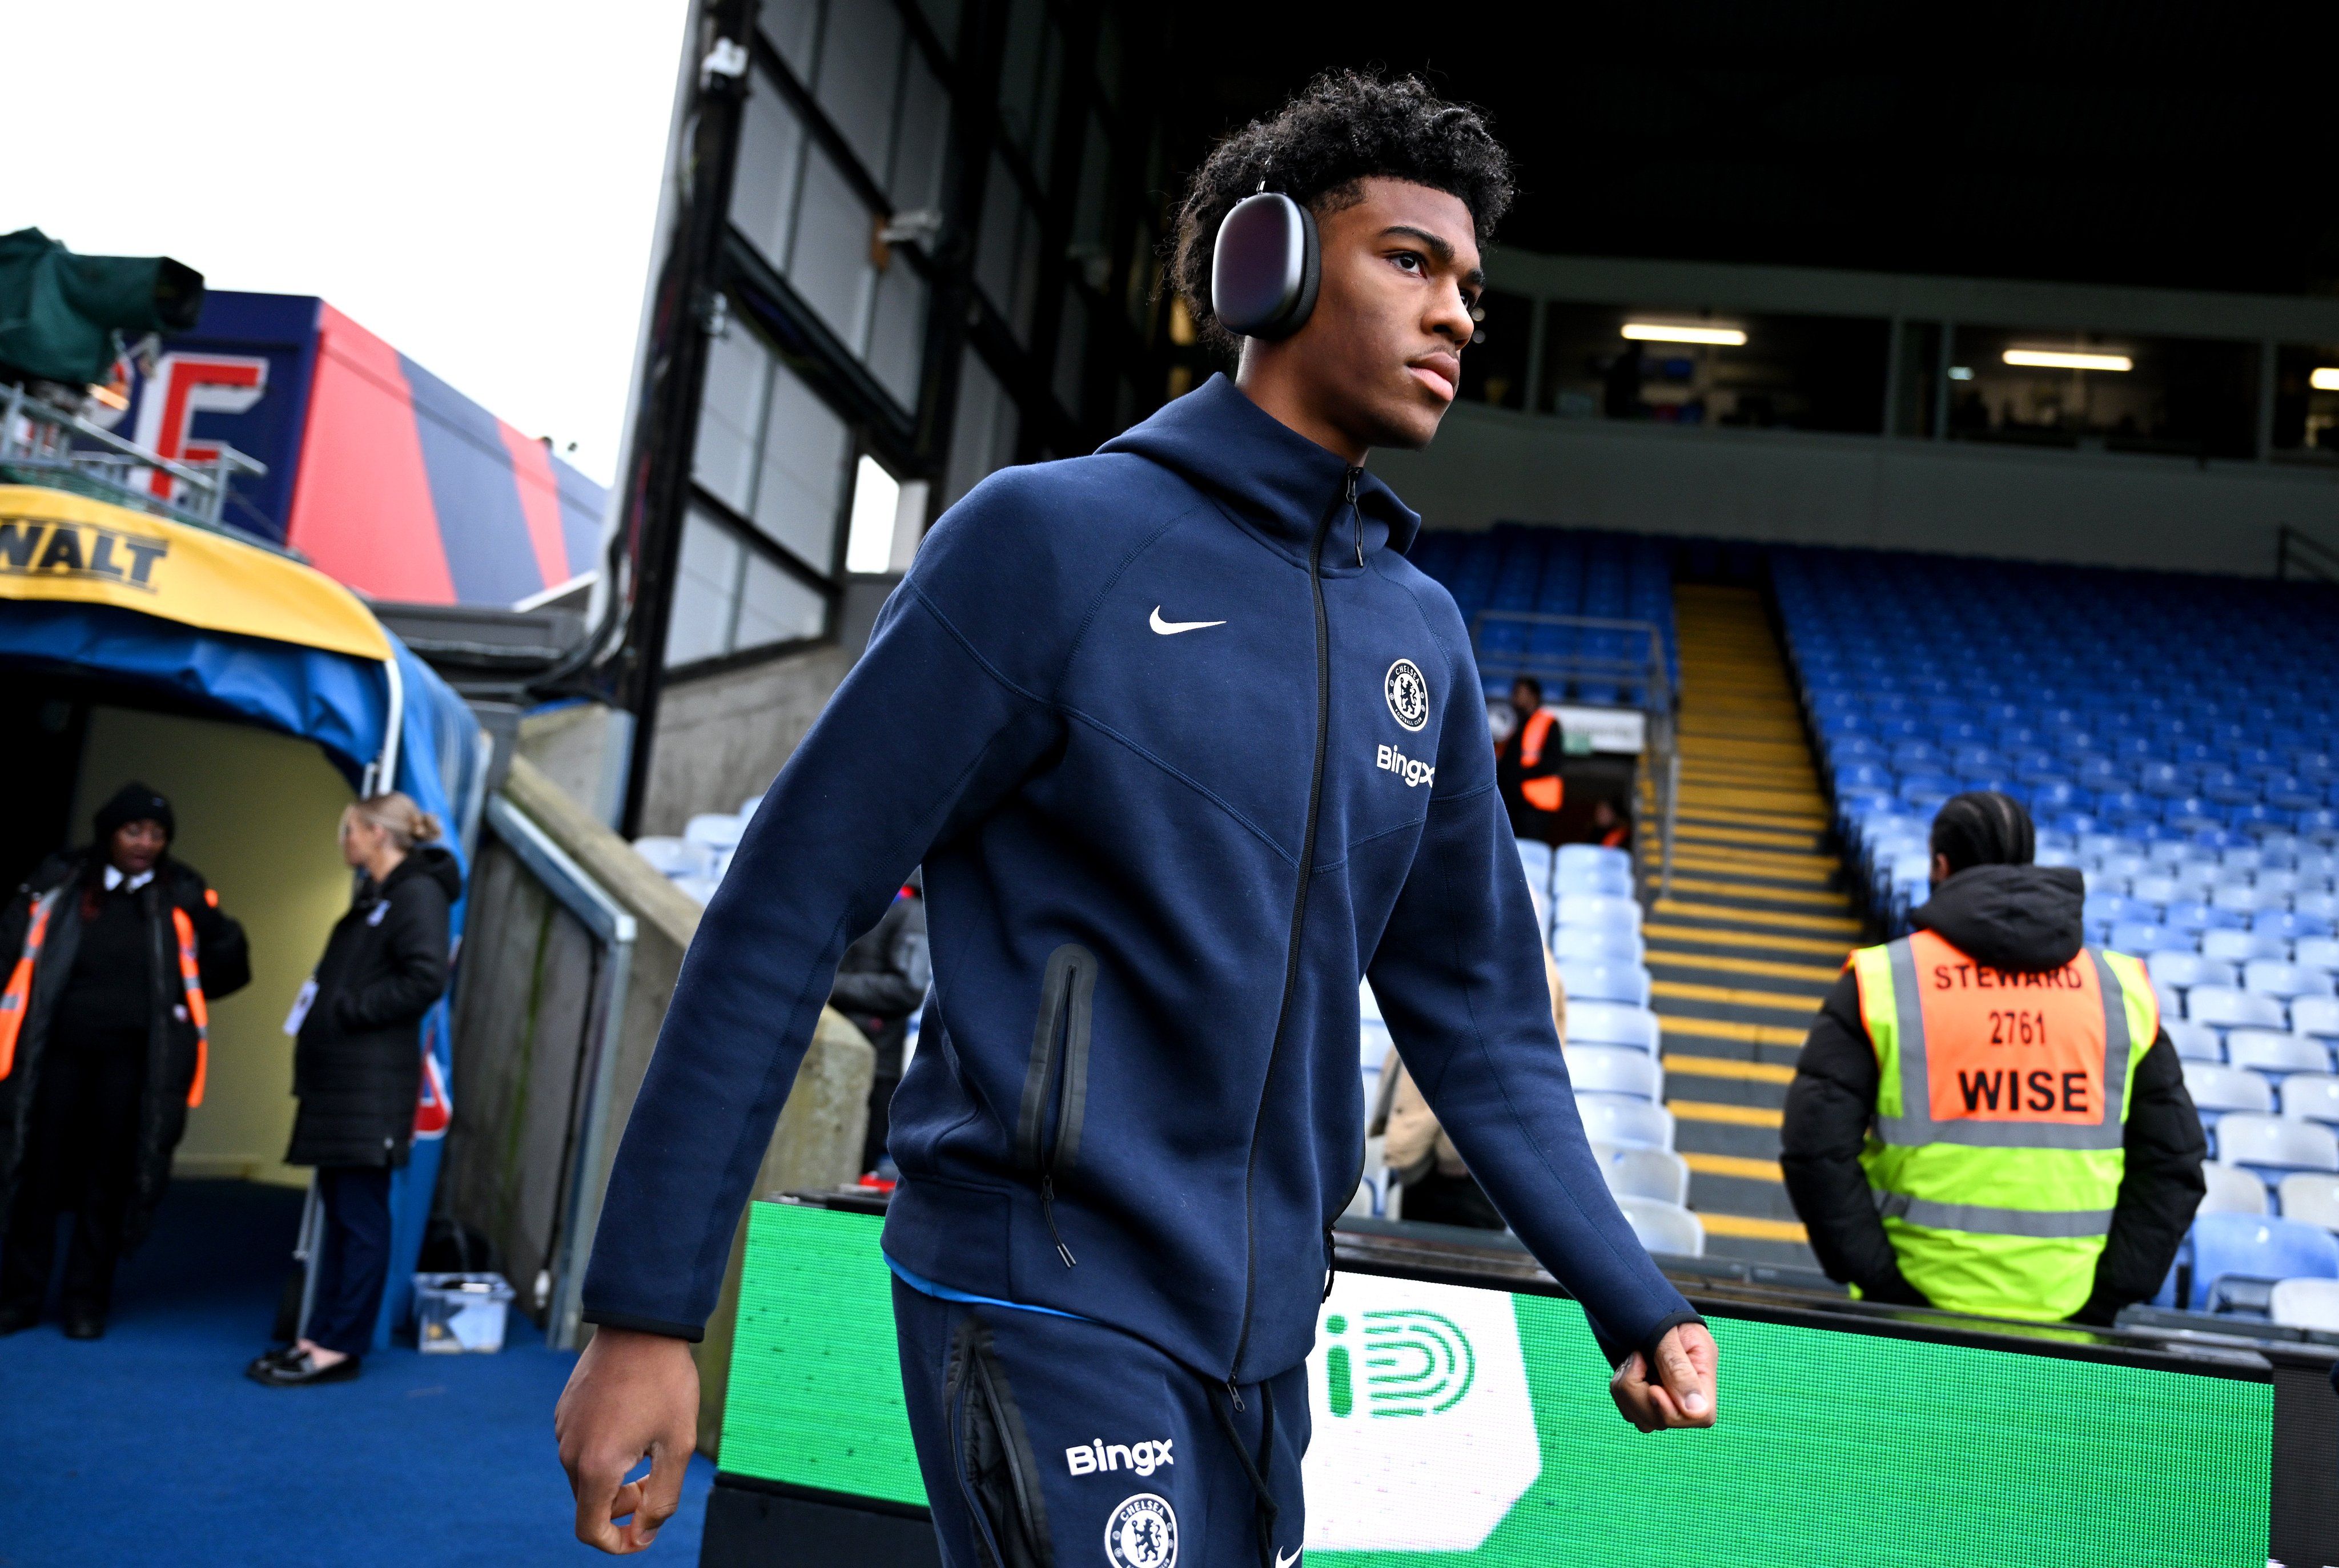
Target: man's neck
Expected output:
[1288,405]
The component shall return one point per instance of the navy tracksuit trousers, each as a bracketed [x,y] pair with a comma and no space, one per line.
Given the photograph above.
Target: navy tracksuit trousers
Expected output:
[1052,1440]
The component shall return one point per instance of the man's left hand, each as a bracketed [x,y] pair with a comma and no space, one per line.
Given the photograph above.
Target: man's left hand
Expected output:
[1681,1394]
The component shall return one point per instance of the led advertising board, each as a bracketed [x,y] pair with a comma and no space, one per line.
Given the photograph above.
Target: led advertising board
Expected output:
[1460,1424]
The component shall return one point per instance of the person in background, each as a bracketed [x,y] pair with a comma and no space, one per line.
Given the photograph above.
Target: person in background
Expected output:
[1987,1115]
[1527,763]
[357,1069]
[119,950]
[1438,1187]
[1611,825]
[881,981]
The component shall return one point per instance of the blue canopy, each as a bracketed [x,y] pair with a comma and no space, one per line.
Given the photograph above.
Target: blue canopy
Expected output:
[354,709]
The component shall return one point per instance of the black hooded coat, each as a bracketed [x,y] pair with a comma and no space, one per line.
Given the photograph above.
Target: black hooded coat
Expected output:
[222,959]
[356,1066]
[2014,917]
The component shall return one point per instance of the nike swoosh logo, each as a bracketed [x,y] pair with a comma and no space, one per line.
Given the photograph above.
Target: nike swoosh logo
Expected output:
[1172,629]
[1283,1561]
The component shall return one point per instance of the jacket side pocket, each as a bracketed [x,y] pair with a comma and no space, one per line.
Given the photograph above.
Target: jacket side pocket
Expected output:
[1059,1044]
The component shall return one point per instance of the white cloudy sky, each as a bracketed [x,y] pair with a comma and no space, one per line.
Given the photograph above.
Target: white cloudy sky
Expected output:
[474,180]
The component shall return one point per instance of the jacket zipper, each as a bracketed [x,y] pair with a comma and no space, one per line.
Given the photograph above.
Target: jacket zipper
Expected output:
[1347,497]
[1060,1035]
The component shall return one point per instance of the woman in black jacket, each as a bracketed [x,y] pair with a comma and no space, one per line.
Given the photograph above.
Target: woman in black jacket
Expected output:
[357,1069]
[116,953]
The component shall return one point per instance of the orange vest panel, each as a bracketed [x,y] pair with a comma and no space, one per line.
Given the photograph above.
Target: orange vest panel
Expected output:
[2002,1045]
[1533,734]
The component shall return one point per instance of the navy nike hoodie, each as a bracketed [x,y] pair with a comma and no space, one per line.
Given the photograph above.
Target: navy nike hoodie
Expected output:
[1186,748]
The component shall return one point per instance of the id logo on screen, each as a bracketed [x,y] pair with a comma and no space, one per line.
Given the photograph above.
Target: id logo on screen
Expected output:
[1424,1433]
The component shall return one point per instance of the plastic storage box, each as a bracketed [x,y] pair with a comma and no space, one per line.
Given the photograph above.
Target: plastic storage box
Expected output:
[459,1312]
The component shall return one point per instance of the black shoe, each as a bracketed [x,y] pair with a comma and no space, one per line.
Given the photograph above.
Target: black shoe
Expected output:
[299,1370]
[85,1325]
[15,1319]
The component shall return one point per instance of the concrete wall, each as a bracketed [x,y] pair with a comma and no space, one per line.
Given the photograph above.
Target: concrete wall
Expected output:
[520,1014]
[259,815]
[1490,464]
[722,737]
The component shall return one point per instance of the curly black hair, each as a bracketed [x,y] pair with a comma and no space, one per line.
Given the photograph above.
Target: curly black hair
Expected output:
[1345,126]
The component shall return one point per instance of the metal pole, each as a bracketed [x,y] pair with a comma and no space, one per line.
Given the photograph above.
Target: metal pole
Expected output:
[306,1252]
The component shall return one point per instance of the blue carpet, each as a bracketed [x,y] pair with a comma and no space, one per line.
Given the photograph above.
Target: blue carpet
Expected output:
[150,1446]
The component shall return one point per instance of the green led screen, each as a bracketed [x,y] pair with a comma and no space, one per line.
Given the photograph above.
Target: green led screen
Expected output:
[1461,1425]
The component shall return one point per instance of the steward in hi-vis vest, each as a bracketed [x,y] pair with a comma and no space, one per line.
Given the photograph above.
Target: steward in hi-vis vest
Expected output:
[1987,1115]
[1527,761]
[114,953]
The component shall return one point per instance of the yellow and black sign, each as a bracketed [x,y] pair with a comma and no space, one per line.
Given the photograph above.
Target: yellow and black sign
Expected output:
[59,547]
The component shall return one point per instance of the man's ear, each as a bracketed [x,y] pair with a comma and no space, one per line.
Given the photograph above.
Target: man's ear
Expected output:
[1941,869]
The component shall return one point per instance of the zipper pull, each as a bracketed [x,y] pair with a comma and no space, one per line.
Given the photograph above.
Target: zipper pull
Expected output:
[1048,1206]
[1358,515]
[1234,1393]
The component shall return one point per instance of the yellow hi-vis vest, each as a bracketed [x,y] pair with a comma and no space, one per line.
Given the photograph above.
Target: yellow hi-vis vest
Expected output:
[1995,1152]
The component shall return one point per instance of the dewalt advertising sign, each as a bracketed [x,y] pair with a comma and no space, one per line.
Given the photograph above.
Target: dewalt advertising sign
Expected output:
[57,546]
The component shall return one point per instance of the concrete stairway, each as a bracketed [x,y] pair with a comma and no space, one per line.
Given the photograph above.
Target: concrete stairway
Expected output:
[1754,929]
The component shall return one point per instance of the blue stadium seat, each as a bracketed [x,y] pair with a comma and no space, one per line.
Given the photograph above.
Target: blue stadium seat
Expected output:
[2193,1041]
[2311,1096]
[2311,1197]
[2137,937]
[1604,980]
[2222,1008]
[1535,859]
[2232,1190]
[2243,1247]
[2184,970]
[2217,1090]
[1612,1023]
[2275,1054]
[1598,941]
[1612,881]
[1624,1122]
[1615,1070]
[2315,1015]
[2240,947]
[2270,1144]
[1598,909]
[2274,977]
[2292,924]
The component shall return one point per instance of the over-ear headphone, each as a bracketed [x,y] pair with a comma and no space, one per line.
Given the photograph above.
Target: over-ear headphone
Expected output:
[1265,267]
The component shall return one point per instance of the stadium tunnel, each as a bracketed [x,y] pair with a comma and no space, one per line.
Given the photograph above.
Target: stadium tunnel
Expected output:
[263,699]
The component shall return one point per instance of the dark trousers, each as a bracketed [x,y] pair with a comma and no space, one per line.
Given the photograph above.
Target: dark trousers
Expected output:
[1040,1436]
[80,1160]
[353,1264]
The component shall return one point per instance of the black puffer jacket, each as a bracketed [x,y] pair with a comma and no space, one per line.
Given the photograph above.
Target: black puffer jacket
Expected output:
[222,958]
[357,1065]
[2015,917]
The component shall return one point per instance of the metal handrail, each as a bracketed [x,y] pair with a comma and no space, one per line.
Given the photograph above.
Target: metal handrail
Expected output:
[1660,702]
[2295,547]
[39,435]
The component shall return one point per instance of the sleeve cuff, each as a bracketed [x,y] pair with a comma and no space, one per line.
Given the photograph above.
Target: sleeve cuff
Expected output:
[1664,1326]
[693,1332]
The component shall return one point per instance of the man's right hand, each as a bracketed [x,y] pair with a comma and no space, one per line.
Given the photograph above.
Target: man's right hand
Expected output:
[632,1394]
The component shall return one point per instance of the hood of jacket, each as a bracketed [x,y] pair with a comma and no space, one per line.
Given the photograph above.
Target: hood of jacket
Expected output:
[1271,475]
[2016,917]
[428,860]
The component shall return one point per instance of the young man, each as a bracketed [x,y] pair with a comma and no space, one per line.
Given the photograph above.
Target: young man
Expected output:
[1186,748]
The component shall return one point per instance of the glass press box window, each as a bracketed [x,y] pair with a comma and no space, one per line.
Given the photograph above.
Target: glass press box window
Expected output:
[2180,397]
[818,220]
[2306,402]
[1761,371]
[760,542]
